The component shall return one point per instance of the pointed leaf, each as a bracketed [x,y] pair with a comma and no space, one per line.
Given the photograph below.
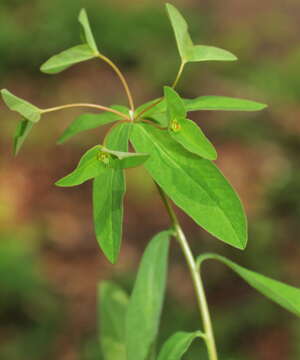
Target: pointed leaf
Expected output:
[175,105]
[188,51]
[23,129]
[194,184]
[209,53]
[177,345]
[84,21]
[23,107]
[112,308]
[145,305]
[91,121]
[108,193]
[222,103]
[285,295]
[67,58]
[124,160]
[192,138]
[185,131]
[89,166]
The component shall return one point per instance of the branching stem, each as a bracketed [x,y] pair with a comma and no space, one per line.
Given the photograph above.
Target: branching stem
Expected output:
[94,106]
[196,278]
[178,75]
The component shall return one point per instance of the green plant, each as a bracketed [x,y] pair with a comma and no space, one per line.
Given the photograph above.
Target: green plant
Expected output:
[178,157]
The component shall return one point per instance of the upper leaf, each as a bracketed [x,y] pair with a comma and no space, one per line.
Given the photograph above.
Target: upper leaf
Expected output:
[67,58]
[112,306]
[185,131]
[91,121]
[222,103]
[177,345]
[145,305]
[84,21]
[23,129]
[194,184]
[108,193]
[23,107]
[188,51]
[285,295]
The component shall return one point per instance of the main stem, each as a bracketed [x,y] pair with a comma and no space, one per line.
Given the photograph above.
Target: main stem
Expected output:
[196,278]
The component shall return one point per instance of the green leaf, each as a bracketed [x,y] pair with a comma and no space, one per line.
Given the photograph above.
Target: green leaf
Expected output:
[91,121]
[84,21]
[185,131]
[23,129]
[187,50]
[194,184]
[112,308]
[285,295]
[145,305]
[23,107]
[222,103]
[124,160]
[108,193]
[67,58]
[89,166]
[177,345]
[192,138]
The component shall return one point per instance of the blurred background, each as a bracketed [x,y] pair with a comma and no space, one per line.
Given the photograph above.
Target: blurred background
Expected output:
[50,263]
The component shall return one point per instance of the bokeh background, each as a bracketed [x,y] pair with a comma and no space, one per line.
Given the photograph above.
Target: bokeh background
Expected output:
[50,263]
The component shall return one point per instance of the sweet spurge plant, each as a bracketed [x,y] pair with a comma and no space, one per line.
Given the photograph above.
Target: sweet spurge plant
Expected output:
[179,158]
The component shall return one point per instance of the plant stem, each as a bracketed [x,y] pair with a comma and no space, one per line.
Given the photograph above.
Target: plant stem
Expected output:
[162,98]
[121,77]
[99,107]
[178,75]
[196,278]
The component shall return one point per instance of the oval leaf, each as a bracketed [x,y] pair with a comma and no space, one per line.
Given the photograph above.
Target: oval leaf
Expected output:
[108,194]
[23,107]
[112,306]
[192,138]
[222,103]
[23,129]
[84,21]
[88,167]
[91,121]
[194,184]
[67,58]
[188,51]
[177,345]
[145,305]
[285,295]
[124,160]
[185,131]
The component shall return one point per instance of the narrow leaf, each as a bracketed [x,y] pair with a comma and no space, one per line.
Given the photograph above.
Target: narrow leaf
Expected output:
[67,58]
[194,184]
[84,21]
[108,193]
[185,131]
[23,129]
[285,295]
[90,121]
[177,345]
[222,103]
[187,50]
[145,305]
[209,53]
[112,306]
[123,160]
[23,107]
[89,166]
